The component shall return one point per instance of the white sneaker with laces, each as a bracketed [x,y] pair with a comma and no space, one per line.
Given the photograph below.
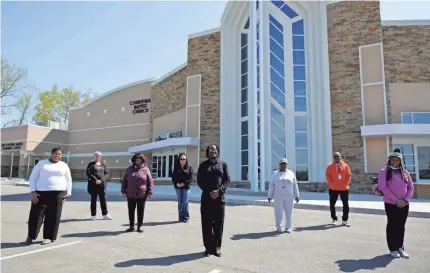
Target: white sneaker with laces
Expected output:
[107,217]
[334,222]
[346,224]
[395,254]
[93,218]
[403,253]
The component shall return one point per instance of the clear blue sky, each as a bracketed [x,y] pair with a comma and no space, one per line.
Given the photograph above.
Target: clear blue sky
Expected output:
[103,45]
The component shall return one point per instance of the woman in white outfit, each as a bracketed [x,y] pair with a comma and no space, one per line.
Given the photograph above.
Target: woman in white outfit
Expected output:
[284,189]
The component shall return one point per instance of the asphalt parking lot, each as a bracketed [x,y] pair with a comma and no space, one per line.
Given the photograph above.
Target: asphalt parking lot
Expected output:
[249,245]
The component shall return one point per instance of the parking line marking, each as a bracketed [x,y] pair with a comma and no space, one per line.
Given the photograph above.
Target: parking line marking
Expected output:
[215,271]
[39,250]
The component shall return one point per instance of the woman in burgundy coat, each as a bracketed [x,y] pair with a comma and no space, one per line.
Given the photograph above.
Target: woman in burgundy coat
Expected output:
[137,186]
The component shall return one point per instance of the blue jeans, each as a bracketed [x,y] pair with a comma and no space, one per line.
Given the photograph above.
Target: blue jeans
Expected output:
[182,195]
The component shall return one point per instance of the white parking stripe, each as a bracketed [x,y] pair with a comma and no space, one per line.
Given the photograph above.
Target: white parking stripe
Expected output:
[215,271]
[39,250]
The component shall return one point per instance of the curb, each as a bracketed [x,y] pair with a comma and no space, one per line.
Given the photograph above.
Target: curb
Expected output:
[237,202]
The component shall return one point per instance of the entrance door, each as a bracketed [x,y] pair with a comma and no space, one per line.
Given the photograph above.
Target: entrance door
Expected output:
[423,154]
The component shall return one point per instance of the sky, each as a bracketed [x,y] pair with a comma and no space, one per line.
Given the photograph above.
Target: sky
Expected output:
[99,46]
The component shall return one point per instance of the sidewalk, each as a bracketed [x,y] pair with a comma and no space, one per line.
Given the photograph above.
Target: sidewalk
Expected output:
[358,203]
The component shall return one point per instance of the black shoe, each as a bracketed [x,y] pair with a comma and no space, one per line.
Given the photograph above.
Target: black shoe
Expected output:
[218,252]
[130,229]
[140,229]
[207,253]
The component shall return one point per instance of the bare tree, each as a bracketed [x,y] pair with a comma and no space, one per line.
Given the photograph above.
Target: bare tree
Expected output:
[10,78]
[22,106]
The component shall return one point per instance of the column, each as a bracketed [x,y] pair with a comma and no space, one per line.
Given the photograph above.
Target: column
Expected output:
[28,165]
[68,157]
[252,103]
[11,164]
[262,96]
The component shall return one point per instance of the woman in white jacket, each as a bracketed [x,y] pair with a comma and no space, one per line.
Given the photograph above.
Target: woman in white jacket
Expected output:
[284,189]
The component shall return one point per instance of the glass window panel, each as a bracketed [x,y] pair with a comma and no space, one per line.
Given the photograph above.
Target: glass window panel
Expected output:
[404,148]
[299,88]
[300,104]
[299,73]
[298,42]
[243,39]
[244,110]
[163,170]
[159,167]
[278,4]
[302,156]
[407,118]
[298,57]
[278,132]
[175,134]
[302,173]
[244,173]
[258,53]
[277,116]
[274,162]
[277,95]
[278,148]
[410,169]
[408,160]
[421,118]
[276,34]
[298,27]
[277,50]
[277,64]
[244,142]
[276,79]
[247,24]
[170,165]
[244,157]
[244,66]
[244,53]
[244,127]
[289,11]
[244,81]
[423,162]
[301,140]
[244,94]
[275,22]
[301,123]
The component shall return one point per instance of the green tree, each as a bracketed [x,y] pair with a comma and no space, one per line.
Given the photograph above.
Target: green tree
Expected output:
[23,106]
[67,99]
[45,110]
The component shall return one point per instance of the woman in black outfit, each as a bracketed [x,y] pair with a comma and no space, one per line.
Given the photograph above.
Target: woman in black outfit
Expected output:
[181,177]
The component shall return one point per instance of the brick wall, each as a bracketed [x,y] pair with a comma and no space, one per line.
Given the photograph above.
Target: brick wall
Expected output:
[406,56]
[350,25]
[169,95]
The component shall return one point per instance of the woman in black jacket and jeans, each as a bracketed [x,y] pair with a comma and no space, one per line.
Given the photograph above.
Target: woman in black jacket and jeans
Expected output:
[181,177]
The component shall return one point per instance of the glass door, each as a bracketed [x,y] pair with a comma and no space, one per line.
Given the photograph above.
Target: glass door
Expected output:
[423,154]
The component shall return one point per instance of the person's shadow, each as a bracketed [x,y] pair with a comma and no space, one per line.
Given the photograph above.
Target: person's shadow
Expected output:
[316,228]
[254,236]
[381,261]
[162,261]
[17,245]
[153,224]
[93,234]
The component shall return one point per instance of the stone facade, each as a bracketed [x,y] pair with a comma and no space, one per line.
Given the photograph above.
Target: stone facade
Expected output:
[406,56]
[203,58]
[350,25]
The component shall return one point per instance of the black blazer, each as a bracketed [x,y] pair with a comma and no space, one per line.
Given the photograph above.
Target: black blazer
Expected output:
[94,173]
[185,176]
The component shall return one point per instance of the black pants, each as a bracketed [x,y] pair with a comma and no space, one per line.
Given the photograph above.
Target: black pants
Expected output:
[395,226]
[212,215]
[48,211]
[102,198]
[132,203]
[334,195]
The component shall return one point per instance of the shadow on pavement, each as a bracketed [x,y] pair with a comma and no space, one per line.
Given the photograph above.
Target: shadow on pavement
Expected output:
[254,236]
[74,220]
[17,245]
[93,234]
[316,228]
[154,224]
[162,261]
[381,261]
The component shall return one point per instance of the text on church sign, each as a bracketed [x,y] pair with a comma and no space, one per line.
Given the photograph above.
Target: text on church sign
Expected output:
[140,106]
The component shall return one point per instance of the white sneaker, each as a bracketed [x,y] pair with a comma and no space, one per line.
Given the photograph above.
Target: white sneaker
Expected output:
[107,217]
[395,254]
[403,253]
[93,218]
[334,222]
[346,224]
[288,230]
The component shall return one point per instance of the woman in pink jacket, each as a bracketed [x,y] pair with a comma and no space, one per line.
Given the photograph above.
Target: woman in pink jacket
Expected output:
[396,184]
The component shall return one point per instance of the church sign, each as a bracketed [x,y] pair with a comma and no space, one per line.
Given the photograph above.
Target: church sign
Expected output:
[140,106]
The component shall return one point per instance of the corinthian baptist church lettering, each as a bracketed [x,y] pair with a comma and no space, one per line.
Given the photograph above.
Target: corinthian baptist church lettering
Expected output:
[140,106]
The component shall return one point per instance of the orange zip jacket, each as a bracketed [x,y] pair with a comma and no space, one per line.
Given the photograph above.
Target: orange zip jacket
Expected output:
[332,175]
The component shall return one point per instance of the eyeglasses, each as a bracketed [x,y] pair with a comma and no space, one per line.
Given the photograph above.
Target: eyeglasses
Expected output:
[336,156]
[182,159]
[139,158]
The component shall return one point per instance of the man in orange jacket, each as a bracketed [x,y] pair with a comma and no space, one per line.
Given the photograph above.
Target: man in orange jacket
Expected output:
[338,177]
